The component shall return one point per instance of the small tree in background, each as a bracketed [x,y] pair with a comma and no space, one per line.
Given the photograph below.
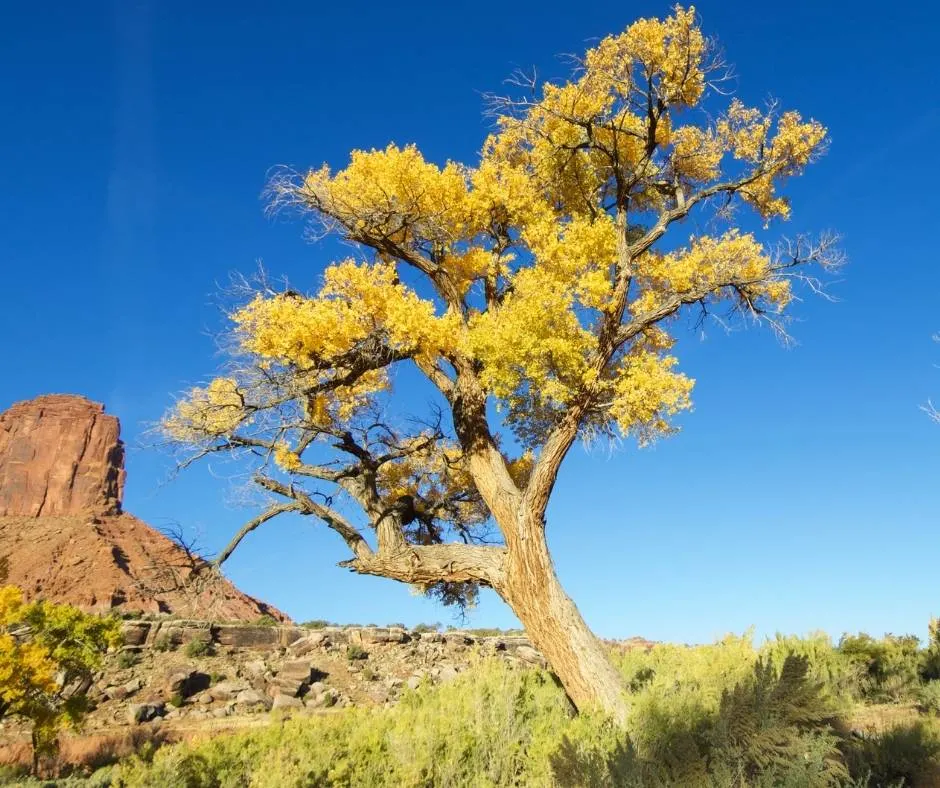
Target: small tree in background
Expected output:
[534,293]
[48,653]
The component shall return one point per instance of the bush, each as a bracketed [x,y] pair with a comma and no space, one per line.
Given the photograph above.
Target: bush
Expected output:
[928,697]
[164,643]
[127,659]
[355,652]
[905,755]
[199,648]
[841,676]
[890,668]
[422,628]
[317,623]
[266,621]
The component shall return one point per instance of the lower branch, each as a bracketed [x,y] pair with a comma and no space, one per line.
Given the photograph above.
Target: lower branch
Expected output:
[425,565]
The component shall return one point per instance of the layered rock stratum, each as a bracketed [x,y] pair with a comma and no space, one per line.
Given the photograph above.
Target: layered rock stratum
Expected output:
[65,537]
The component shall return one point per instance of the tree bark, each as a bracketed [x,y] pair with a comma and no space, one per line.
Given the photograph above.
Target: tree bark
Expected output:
[555,627]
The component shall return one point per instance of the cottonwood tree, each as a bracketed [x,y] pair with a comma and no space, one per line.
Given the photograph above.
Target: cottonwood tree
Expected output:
[535,291]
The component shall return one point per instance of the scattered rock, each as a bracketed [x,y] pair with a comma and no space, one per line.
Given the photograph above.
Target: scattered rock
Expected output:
[132,686]
[250,697]
[446,673]
[187,683]
[228,690]
[286,702]
[308,643]
[139,713]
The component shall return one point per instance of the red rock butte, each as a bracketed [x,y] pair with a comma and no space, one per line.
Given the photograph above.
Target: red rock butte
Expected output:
[64,536]
[60,455]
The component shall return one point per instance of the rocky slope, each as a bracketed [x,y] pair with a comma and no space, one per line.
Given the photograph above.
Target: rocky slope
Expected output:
[64,536]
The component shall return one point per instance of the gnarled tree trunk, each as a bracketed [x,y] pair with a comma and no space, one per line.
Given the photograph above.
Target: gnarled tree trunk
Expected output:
[555,627]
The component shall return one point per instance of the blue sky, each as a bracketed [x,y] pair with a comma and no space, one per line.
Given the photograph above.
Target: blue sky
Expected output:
[801,493]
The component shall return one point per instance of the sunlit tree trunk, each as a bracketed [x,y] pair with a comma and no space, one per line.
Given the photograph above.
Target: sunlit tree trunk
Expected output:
[556,628]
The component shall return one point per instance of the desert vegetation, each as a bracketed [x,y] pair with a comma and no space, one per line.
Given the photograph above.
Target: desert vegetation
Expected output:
[789,712]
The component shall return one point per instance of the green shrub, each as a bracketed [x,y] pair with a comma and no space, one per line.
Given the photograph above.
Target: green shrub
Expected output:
[890,667]
[127,659]
[422,628]
[317,623]
[164,643]
[198,648]
[928,697]
[266,621]
[354,652]
[906,755]
[841,676]
[177,700]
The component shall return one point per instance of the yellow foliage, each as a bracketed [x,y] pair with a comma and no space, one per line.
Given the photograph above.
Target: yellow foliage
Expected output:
[44,649]
[647,392]
[286,458]
[357,301]
[708,262]
[205,412]
[525,258]
[534,337]
[379,193]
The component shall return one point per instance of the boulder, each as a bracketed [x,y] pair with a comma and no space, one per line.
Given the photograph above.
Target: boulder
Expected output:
[139,713]
[186,683]
[381,635]
[248,636]
[229,690]
[135,633]
[530,655]
[308,643]
[286,702]
[251,697]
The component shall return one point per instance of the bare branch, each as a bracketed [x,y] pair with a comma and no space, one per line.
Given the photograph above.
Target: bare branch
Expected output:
[250,526]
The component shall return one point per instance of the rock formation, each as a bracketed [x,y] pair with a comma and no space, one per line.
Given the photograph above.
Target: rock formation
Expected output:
[64,537]
[59,455]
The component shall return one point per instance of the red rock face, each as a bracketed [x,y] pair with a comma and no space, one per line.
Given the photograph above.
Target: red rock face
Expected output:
[60,454]
[63,536]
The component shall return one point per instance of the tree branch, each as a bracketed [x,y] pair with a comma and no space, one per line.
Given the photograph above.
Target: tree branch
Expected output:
[350,534]
[250,526]
[426,565]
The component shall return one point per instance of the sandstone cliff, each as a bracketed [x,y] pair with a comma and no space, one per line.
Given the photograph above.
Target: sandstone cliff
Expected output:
[60,454]
[64,537]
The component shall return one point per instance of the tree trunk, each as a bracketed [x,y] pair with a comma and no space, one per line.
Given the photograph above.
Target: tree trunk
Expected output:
[556,628]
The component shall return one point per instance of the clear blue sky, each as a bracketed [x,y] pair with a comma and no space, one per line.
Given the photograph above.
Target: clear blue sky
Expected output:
[802,492]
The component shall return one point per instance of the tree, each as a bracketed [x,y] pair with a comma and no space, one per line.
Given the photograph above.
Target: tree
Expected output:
[48,653]
[533,292]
